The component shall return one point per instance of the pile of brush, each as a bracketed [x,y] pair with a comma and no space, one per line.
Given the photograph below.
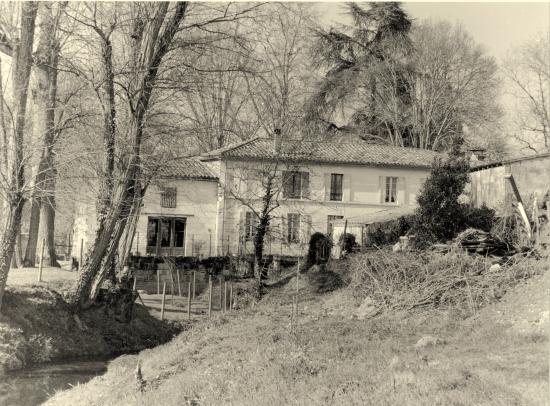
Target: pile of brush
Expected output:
[415,281]
[481,242]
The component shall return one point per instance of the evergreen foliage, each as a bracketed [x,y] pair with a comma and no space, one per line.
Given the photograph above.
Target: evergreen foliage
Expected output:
[440,215]
[320,246]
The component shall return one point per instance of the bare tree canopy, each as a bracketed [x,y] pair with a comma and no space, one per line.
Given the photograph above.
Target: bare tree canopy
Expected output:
[528,71]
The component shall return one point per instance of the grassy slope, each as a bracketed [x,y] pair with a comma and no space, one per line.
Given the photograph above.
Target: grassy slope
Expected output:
[251,358]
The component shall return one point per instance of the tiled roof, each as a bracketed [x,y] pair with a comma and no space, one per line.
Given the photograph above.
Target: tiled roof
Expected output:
[379,216]
[360,153]
[183,168]
[484,165]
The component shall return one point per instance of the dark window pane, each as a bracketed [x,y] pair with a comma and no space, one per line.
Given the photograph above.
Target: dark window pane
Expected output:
[391,190]
[165,233]
[179,230]
[336,182]
[152,232]
[294,184]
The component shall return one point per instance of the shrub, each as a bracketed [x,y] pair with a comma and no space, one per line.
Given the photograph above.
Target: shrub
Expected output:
[319,249]
[348,242]
[388,232]
[440,215]
[481,218]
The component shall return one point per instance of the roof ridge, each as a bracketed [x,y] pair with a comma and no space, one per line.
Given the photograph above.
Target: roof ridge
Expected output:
[354,143]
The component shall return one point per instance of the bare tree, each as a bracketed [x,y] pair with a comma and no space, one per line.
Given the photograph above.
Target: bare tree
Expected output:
[153,29]
[215,105]
[277,89]
[528,71]
[15,177]
[454,86]
[45,100]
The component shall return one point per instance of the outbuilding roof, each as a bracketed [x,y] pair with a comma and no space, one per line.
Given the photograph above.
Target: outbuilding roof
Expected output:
[356,153]
[492,164]
[379,216]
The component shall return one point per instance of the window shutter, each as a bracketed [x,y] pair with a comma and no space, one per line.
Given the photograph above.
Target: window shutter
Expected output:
[402,192]
[327,186]
[346,186]
[305,227]
[284,229]
[286,184]
[382,187]
[305,185]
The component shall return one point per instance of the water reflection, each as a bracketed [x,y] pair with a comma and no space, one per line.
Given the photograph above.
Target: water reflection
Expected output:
[31,387]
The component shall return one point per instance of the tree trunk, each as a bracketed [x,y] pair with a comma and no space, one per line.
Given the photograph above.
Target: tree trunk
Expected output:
[47,57]
[259,239]
[22,63]
[150,46]
[47,223]
[109,135]
[259,269]
[17,259]
[34,224]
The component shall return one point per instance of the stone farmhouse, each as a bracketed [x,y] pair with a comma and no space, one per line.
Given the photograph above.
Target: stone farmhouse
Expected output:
[206,206]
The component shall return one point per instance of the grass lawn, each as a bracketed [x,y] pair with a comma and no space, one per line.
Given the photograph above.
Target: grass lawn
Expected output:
[51,277]
[251,357]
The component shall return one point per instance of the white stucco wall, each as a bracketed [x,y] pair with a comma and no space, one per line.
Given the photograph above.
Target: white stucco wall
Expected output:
[196,201]
[362,193]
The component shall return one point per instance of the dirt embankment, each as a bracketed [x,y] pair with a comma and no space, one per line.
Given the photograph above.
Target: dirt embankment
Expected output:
[37,327]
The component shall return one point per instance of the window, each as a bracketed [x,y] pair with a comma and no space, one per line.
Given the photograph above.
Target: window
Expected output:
[336,186]
[391,190]
[168,197]
[179,232]
[295,184]
[293,229]
[164,232]
[250,226]
[330,224]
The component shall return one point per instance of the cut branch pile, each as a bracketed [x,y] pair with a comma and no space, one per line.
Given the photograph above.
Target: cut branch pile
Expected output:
[421,281]
[481,242]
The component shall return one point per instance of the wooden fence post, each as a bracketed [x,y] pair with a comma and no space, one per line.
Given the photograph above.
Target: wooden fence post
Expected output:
[81,253]
[179,282]
[172,286]
[41,260]
[225,297]
[230,297]
[221,294]
[162,306]
[194,286]
[189,301]
[209,296]
[158,281]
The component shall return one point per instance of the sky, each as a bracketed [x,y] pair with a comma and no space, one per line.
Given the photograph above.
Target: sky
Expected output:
[498,26]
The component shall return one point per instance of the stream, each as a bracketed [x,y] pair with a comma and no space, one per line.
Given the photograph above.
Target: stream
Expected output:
[32,386]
